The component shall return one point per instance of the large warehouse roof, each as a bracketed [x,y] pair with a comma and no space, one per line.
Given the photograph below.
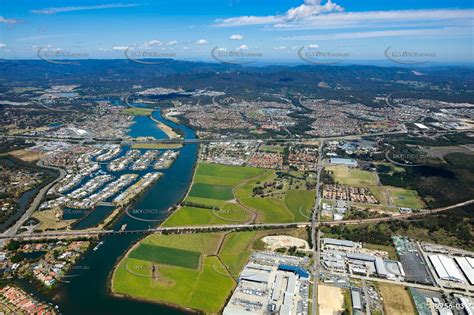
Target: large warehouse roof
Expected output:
[446,268]
[336,242]
[467,267]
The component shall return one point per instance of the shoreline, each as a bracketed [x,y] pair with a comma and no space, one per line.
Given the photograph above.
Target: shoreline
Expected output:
[111,277]
[172,135]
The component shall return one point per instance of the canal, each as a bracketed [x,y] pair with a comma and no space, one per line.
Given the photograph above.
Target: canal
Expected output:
[87,292]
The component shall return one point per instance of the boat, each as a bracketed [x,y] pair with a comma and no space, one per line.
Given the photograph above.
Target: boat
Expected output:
[98,245]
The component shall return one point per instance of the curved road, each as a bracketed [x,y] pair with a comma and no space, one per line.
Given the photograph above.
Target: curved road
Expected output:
[36,202]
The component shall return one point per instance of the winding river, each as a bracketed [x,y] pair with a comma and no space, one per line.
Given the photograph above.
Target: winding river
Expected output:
[87,291]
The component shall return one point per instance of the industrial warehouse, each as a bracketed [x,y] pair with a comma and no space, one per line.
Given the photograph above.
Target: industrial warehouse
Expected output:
[347,256]
[271,283]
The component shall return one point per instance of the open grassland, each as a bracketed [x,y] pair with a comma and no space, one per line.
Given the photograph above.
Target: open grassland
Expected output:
[223,174]
[166,255]
[187,216]
[223,194]
[206,288]
[138,111]
[272,148]
[396,299]
[405,198]
[353,177]
[282,205]
[27,155]
[300,203]
[210,191]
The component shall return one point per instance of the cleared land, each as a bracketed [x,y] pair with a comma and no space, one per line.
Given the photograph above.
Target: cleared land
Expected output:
[205,288]
[396,299]
[27,155]
[226,194]
[330,300]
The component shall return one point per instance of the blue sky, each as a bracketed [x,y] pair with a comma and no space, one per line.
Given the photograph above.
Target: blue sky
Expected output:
[274,29]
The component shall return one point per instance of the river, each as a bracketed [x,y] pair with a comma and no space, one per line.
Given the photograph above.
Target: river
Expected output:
[88,293]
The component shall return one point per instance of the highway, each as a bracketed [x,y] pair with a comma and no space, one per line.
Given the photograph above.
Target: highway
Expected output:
[226,227]
[129,141]
[315,232]
[13,230]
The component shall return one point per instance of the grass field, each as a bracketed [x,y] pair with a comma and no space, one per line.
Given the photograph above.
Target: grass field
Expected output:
[138,111]
[228,193]
[405,198]
[396,299]
[352,177]
[205,288]
[272,148]
[300,203]
[202,216]
[211,191]
[166,255]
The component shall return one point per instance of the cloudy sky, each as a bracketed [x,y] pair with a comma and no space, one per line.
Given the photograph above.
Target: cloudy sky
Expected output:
[272,29]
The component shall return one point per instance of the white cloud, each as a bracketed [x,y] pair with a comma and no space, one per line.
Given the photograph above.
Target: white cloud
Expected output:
[385,19]
[313,15]
[236,37]
[172,43]
[202,42]
[154,42]
[308,9]
[2,45]
[120,48]
[280,48]
[242,47]
[7,21]
[312,46]
[85,7]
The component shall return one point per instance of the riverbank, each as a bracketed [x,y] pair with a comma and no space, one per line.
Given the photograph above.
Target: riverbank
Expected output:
[166,129]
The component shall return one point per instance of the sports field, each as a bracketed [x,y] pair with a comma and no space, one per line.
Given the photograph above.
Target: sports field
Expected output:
[142,274]
[405,198]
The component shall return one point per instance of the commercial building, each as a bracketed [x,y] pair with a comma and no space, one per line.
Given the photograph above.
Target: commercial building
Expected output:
[342,161]
[343,244]
[467,267]
[268,286]
[446,268]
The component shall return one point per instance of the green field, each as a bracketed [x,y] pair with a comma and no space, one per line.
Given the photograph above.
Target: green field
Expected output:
[300,203]
[166,255]
[205,289]
[187,216]
[223,194]
[211,191]
[138,111]
[272,148]
[405,198]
